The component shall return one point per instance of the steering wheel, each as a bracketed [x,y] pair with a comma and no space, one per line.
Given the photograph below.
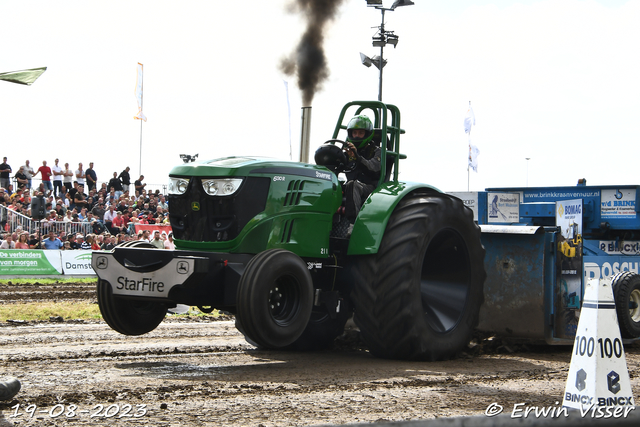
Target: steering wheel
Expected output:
[350,165]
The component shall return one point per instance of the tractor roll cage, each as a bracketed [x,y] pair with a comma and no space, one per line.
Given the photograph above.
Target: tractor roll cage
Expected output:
[390,152]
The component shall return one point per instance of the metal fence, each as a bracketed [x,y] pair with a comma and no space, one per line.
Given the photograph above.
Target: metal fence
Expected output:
[68,228]
[11,220]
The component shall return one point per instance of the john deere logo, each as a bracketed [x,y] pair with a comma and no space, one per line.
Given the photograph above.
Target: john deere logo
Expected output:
[102,263]
[195,206]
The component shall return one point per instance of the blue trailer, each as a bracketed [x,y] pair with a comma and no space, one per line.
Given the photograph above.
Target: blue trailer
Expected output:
[543,244]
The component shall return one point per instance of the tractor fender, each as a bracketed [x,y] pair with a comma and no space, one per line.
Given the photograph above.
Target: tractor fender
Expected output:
[373,217]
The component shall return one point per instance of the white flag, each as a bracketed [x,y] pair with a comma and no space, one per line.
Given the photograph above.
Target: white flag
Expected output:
[139,116]
[473,157]
[469,120]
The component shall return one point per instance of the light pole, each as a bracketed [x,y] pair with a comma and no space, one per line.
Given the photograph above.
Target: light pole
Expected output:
[528,158]
[382,38]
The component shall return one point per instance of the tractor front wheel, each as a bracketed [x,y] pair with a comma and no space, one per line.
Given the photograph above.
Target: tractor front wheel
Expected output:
[419,297]
[129,316]
[275,297]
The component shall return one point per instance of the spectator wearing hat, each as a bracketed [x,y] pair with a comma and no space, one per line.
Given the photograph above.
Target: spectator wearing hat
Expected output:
[85,242]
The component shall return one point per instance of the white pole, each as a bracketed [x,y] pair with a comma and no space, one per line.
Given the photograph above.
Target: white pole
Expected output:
[141,109]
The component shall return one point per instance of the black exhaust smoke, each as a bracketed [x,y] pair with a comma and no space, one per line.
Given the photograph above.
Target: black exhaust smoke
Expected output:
[308,61]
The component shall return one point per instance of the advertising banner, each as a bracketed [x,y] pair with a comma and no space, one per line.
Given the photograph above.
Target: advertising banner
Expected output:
[29,262]
[152,227]
[618,203]
[569,293]
[503,208]
[470,200]
[77,262]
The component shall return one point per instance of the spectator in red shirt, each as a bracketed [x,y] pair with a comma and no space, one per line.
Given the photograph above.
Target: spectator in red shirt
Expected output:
[117,224]
[45,173]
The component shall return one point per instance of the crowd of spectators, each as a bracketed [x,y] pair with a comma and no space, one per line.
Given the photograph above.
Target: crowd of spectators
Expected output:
[110,209]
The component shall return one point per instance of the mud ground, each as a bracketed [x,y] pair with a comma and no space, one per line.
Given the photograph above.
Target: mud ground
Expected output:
[201,372]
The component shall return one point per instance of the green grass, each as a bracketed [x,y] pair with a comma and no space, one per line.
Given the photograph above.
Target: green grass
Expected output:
[36,311]
[33,311]
[48,281]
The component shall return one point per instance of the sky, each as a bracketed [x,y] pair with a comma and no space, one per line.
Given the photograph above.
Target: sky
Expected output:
[554,81]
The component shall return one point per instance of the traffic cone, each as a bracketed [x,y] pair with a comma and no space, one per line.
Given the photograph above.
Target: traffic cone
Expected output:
[598,379]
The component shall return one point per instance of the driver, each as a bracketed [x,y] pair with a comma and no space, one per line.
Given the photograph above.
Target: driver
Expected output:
[365,154]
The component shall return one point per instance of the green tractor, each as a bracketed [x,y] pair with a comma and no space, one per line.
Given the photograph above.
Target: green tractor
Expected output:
[266,241]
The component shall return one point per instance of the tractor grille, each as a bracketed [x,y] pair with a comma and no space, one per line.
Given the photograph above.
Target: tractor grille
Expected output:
[195,216]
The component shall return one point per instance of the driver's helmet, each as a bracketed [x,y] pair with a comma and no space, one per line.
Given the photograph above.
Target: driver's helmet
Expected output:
[360,122]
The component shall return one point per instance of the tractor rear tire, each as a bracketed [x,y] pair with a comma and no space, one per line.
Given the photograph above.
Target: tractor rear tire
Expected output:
[419,297]
[626,291]
[129,316]
[275,297]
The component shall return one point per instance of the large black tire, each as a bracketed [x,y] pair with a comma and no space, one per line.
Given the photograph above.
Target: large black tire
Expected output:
[274,300]
[419,297]
[322,330]
[127,316]
[626,292]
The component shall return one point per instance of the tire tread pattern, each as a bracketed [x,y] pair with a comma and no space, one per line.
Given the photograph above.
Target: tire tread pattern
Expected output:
[623,284]
[388,307]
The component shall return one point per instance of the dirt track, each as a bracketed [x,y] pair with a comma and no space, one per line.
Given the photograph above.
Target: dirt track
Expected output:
[190,372]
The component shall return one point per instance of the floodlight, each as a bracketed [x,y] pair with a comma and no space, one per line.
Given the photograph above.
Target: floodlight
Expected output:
[382,37]
[379,41]
[376,61]
[366,61]
[399,3]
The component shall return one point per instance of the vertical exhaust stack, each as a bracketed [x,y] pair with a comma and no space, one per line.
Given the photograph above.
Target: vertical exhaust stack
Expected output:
[305,134]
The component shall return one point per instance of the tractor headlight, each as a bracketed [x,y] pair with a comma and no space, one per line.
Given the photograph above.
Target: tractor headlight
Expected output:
[221,187]
[178,185]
